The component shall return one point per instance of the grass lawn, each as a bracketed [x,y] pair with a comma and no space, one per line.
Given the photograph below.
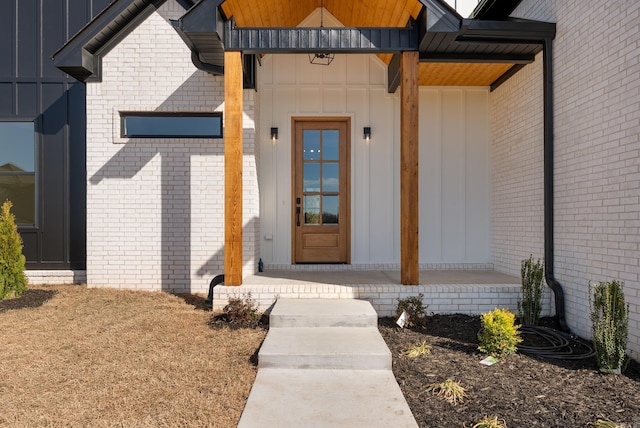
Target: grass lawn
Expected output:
[92,357]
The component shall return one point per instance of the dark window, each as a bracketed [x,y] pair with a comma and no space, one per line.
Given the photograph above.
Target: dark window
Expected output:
[181,125]
[18,169]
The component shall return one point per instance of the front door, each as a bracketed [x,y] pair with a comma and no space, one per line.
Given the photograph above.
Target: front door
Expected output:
[321,191]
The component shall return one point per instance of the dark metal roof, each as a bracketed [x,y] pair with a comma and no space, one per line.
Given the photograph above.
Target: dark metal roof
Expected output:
[513,41]
[439,34]
[495,10]
[81,56]
[316,40]
[201,29]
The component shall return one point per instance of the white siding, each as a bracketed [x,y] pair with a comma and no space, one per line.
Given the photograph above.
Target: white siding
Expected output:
[455,177]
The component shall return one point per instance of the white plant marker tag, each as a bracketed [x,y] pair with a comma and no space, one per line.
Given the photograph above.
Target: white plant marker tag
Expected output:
[489,361]
[404,316]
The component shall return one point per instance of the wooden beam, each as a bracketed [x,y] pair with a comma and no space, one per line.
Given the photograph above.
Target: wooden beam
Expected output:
[233,168]
[409,99]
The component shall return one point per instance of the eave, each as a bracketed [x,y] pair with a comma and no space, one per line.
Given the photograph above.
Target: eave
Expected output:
[81,56]
[448,45]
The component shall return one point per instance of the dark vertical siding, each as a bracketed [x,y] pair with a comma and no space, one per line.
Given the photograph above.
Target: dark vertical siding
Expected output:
[28,39]
[53,153]
[6,98]
[31,88]
[77,176]
[7,35]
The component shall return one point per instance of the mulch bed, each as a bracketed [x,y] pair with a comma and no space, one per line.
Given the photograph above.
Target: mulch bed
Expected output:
[522,390]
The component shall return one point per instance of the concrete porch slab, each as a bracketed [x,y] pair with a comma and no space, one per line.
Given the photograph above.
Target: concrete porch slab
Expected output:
[378,277]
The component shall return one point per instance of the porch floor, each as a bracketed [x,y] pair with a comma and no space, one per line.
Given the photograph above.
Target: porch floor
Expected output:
[378,277]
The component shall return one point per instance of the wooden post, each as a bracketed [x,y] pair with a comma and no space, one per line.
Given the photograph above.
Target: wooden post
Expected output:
[233,168]
[409,99]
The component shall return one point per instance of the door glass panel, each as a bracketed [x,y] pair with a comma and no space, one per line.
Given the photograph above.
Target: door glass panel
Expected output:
[330,176]
[311,177]
[312,210]
[330,144]
[311,144]
[330,209]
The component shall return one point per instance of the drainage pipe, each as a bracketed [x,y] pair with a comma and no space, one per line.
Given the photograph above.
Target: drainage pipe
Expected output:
[218,279]
[547,59]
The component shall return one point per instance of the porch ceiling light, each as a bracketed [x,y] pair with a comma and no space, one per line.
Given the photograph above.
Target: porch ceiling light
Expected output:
[323,58]
[367,133]
[274,134]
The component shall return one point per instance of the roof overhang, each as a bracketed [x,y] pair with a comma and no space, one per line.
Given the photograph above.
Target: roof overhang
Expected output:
[491,49]
[439,34]
[81,56]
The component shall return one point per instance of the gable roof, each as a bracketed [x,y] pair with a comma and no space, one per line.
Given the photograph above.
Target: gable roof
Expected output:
[81,56]
[483,49]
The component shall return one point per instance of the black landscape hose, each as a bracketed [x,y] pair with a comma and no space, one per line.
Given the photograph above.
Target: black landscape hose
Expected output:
[556,344]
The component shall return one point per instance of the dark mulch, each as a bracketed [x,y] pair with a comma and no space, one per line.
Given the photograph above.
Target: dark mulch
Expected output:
[28,299]
[224,321]
[522,390]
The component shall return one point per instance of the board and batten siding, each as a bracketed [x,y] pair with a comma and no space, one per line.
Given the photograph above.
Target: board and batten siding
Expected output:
[455,161]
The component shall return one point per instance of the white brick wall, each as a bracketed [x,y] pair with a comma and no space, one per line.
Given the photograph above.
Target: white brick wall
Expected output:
[472,299]
[155,207]
[517,156]
[51,277]
[597,154]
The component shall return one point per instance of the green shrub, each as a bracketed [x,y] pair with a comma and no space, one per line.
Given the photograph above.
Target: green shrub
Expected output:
[609,320]
[416,310]
[13,281]
[499,335]
[530,306]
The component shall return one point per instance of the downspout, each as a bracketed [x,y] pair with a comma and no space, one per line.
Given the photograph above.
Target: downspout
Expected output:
[547,59]
[209,68]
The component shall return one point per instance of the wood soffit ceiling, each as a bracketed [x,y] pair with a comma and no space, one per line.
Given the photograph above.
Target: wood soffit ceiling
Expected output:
[363,13]
[289,13]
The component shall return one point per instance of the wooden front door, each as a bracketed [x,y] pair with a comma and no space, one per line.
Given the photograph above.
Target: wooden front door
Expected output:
[321,202]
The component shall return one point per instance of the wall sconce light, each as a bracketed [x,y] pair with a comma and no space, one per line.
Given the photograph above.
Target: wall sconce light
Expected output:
[274,134]
[367,133]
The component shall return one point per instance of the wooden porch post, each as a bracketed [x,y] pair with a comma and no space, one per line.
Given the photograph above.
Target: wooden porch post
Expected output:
[233,168]
[409,98]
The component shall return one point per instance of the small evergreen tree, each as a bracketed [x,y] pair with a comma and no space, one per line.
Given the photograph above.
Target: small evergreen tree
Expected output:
[610,324]
[12,278]
[530,306]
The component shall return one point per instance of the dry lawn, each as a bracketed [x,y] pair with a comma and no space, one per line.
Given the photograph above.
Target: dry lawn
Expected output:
[90,357]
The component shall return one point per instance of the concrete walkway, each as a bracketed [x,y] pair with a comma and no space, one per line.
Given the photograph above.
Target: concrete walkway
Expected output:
[324,364]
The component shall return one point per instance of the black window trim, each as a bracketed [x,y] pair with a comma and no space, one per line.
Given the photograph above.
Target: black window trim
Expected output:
[124,114]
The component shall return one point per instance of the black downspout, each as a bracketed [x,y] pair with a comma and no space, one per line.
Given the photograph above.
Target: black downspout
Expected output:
[217,280]
[547,59]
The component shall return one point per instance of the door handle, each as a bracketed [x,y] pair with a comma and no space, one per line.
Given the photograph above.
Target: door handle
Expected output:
[297,216]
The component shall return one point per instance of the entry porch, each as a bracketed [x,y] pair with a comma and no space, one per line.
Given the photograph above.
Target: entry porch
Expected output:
[455,289]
